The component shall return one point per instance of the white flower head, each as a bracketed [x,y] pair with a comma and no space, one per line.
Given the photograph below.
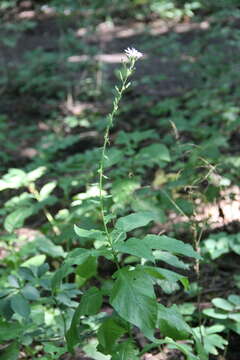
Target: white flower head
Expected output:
[133,53]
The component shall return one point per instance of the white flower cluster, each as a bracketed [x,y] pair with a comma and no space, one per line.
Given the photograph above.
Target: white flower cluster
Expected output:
[133,53]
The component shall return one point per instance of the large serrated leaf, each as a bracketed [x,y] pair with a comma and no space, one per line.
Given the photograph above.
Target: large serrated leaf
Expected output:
[90,304]
[136,247]
[108,333]
[134,299]
[170,259]
[88,268]
[159,273]
[91,301]
[30,292]
[136,220]
[78,256]
[162,242]
[171,323]
[20,305]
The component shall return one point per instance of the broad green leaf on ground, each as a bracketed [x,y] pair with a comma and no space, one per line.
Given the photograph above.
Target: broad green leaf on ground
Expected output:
[217,245]
[13,281]
[78,256]
[53,349]
[48,247]
[171,323]
[234,243]
[89,234]
[11,352]
[162,242]
[5,292]
[142,203]
[168,287]
[223,304]
[134,300]
[6,308]
[90,304]
[91,301]
[91,350]
[217,328]
[170,259]
[14,179]
[113,156]
[136,247]
[123,189]
[234,299]
[23,200]
[20,305]
[36,260]
[46,190]
[211,341]
[234,316]
[216,313]
[16,219]
[125,351]
[136,220]
[108,333]
[9,331]
[36,173]
[155,153]
[88,268]
[134,137]
[30,292]
[234,326]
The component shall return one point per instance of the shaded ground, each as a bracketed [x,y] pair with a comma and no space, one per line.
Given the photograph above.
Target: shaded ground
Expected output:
[160,67]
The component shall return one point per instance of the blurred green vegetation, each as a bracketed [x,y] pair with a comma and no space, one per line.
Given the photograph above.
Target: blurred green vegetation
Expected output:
[174,151]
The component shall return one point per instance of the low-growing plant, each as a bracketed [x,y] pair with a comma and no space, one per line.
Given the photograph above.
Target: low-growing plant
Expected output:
[226,312]
[219,244]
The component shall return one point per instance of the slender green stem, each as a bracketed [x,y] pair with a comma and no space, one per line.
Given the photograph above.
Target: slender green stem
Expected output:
[128,69]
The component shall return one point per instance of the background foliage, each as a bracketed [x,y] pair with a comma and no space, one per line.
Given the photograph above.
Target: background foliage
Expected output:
[172,172]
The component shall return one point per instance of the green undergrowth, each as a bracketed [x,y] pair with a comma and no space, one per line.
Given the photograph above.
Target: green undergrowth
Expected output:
[106,234]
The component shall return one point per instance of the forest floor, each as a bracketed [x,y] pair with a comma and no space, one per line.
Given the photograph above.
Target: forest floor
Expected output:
[166,71]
